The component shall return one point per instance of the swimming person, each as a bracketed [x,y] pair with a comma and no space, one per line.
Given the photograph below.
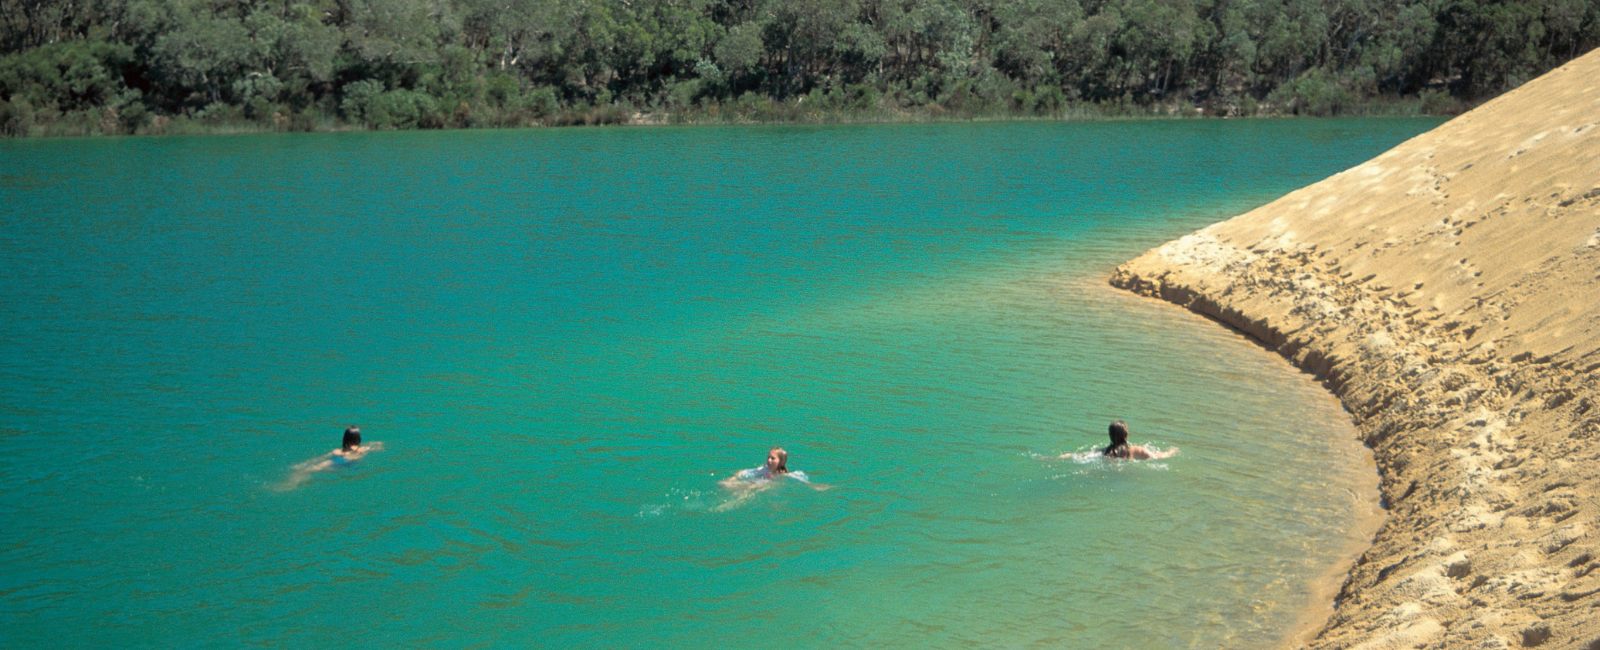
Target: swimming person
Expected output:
[1119,447]
[777,466]
[349,451]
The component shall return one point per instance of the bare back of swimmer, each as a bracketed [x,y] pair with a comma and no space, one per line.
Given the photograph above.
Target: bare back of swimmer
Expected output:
[349,451]
[1119,447]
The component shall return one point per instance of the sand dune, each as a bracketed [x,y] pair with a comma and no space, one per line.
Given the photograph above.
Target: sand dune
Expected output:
[1449,292]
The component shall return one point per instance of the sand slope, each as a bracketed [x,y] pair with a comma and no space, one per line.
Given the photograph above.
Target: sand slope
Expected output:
[1449,292]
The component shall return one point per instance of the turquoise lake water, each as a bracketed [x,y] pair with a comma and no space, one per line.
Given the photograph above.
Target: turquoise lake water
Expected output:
[565,338]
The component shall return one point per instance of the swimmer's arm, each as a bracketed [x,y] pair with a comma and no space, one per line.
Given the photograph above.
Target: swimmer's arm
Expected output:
[377,445]
[820,487]
[307,465]
[1146,453]
[801,477]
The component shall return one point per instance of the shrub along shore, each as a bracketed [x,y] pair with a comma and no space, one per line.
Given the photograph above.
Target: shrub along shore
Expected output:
[753,110]
[185,66]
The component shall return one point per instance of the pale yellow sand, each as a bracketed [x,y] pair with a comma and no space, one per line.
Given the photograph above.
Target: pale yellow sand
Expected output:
[1449,291]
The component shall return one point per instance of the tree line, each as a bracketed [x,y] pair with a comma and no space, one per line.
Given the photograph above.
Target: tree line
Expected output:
[90,66]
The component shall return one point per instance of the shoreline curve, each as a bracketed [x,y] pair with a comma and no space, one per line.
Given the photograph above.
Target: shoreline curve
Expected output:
[1448,293]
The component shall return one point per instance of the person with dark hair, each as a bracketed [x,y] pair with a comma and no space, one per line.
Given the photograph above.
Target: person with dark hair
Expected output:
[349,451]
[352,439]
[1119,447]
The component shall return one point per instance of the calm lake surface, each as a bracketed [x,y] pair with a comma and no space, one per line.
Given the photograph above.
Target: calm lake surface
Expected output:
[565,338]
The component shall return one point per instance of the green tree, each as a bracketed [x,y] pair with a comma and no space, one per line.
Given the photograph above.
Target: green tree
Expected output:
[1492,46]
[201,52]
[68,76]
[1031,34]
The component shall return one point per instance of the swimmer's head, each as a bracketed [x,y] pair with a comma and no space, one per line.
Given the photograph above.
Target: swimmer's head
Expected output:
[352,438]
[1119,433]
[1119,441]
[777,460]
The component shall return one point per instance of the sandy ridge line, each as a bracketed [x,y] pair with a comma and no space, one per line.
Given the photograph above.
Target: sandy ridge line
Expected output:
[1448,291]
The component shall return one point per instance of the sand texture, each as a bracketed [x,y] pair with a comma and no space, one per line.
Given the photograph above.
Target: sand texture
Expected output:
[1448,291]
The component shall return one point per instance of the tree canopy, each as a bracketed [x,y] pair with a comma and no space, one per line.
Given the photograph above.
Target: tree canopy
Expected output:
[127,65]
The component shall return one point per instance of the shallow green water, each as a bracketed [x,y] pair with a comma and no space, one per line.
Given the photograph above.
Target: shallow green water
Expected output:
[566,337]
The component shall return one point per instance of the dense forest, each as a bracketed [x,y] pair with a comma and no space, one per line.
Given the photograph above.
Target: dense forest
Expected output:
[122,66]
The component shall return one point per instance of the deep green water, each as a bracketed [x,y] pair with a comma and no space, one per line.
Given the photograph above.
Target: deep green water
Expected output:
[565,338]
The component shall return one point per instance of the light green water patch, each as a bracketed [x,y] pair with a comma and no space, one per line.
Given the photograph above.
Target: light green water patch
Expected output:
[962,529]
[566,338]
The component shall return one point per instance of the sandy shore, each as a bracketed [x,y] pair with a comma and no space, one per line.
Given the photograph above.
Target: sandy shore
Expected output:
[1448,291]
